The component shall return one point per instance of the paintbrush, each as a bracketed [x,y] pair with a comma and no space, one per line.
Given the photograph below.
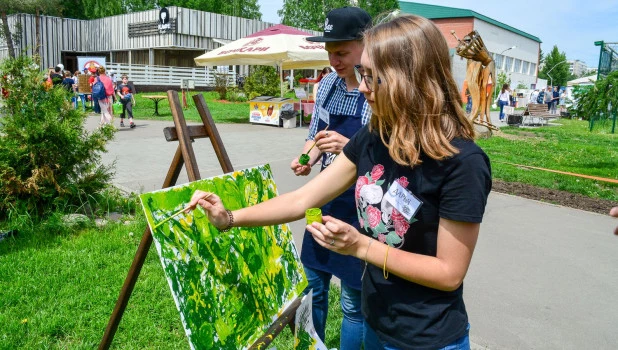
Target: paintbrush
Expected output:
[304,158]
[310,148]
[177,213]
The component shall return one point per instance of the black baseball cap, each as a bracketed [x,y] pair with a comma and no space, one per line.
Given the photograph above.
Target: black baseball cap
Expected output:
[344,24]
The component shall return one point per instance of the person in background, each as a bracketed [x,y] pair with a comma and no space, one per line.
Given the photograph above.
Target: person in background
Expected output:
[421,188]
[92,76]
[67,81]
[112,76]
[107,114]
[57,76]
[468,101]
[533,96]
[555,98]
[548,98]
[76,88]
[290,80]
[503,99]
[324,72]
[125,92]
[562,100]
[344,109]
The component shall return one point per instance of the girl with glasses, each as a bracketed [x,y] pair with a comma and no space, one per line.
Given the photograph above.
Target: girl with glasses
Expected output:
[421,190]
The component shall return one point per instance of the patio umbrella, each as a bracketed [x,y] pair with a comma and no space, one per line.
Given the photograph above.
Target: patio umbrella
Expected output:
[279,45]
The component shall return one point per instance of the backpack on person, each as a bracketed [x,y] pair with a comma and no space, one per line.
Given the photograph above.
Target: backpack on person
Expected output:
[539,98]
[98,90]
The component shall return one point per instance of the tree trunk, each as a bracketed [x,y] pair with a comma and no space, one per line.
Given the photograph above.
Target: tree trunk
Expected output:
[6,32]
[37,25]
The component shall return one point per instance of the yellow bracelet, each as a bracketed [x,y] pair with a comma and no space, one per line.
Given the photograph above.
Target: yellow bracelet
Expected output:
[367,252]
[384,272]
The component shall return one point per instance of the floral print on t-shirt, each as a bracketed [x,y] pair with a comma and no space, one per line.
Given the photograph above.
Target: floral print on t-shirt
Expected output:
[376,215]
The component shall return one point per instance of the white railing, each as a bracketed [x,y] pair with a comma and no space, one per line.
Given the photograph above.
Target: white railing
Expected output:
[165,75]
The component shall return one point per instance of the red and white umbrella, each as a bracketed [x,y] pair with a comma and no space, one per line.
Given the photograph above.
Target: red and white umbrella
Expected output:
[278,45]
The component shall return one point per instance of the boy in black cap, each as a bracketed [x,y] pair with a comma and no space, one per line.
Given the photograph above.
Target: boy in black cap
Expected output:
[340,106]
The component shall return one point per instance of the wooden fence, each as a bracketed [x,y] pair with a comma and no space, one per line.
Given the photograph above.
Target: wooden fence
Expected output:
[168,76]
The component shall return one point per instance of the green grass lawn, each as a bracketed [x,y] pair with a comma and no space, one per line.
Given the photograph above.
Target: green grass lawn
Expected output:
[58,290]
[222,111]
[569,147]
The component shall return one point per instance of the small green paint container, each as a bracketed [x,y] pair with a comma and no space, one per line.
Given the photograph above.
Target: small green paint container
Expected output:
[304,159]
[313,215]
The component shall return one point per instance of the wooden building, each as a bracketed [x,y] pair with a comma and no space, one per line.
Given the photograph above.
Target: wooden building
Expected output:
[133,42]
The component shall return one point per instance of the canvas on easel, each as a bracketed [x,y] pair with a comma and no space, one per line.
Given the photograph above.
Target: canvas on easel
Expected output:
[185,158]
[228,287]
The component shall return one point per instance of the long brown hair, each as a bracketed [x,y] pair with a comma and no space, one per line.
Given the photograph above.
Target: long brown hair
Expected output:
[323,73]
[418,105]
[504,88]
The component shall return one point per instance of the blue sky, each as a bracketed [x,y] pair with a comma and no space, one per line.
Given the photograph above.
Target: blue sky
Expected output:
[573,25]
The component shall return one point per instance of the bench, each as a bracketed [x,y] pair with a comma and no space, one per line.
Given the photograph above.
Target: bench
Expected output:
[535,114]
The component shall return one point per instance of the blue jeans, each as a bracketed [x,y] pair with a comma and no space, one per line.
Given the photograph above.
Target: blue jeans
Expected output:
[372,342]
[502,104]
[352,323]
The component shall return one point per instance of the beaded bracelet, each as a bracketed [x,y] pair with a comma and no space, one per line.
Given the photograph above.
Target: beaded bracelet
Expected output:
[230,221]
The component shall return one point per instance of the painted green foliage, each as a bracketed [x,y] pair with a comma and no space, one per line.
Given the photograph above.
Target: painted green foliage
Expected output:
[229,287]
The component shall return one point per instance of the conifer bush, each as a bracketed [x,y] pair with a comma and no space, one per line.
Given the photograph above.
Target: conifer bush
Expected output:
[48,160]
[599,101]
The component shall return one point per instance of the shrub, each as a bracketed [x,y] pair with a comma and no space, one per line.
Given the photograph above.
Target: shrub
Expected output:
[48,161]
[262,81]
[236,95]
[221,84]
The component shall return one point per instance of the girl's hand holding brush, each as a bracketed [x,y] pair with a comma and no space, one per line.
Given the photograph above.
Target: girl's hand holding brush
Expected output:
[213,206]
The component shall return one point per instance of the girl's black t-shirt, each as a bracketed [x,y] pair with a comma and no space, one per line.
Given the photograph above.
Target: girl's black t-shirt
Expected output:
[403,313]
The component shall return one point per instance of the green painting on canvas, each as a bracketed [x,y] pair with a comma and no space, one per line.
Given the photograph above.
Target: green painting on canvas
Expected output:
[229,287]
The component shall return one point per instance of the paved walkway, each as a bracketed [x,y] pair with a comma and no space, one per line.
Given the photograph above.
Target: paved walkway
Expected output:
[542,277]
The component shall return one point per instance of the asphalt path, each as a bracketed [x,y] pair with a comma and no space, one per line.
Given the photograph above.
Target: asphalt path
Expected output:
[542,276]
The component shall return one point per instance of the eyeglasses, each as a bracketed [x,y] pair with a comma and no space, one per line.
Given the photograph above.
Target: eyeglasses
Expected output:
[368,78]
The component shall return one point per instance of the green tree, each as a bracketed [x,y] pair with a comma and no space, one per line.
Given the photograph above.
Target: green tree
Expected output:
[92,9]
[377,7]
[48,161]
[556,65]
[239,8]
[37,7]
[308,14]
[8,7]
[598,101]
[102,8]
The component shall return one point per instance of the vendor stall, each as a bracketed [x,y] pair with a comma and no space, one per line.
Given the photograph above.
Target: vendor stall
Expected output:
[267,109]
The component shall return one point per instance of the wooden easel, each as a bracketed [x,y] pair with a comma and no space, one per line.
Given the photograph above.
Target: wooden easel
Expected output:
[185,156]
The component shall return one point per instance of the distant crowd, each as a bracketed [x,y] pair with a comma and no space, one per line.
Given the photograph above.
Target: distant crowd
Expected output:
[102,91]
[553,98]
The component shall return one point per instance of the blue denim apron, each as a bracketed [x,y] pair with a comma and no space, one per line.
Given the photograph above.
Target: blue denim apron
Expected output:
[346,268]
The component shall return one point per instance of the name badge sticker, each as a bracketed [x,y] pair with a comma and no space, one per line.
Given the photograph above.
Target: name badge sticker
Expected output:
[402,200]
[324,115]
